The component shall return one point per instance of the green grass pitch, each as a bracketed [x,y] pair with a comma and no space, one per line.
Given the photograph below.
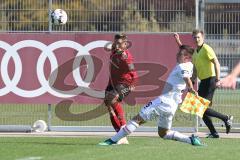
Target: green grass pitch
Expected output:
[140,148]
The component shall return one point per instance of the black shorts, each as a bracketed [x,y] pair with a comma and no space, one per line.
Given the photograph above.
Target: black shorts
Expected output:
[121,89]
[207,87]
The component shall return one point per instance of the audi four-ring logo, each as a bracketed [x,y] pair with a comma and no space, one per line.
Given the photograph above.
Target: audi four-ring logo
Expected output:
[47,53]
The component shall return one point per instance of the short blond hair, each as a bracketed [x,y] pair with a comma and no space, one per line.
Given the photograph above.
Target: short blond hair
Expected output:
[196,31]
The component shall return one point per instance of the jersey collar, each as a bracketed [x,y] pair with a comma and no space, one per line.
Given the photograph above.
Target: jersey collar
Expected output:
[199,48]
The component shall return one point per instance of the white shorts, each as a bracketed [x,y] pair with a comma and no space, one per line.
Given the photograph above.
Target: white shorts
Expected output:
[153,111]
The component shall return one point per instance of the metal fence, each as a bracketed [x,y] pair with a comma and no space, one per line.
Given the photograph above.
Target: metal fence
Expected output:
[220,20]
[99,15]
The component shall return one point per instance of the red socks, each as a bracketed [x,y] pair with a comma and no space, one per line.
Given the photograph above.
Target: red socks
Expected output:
[118,120]
[115,122]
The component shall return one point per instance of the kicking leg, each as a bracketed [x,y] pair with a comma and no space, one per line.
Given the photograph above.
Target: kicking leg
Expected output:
[147,113]
[173,135]
[177,136]
[165,132]
[164,125]
[131,126]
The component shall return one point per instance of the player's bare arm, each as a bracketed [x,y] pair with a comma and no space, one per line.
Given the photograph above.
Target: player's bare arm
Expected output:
[236,71]
[217,70]
[194,75]
[190,85]
[230,80]
[177,38]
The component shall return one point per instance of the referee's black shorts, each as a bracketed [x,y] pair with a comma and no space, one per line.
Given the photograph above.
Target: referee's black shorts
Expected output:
[207,87]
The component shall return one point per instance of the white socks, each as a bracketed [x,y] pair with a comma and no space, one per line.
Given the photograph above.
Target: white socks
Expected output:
[126,130]
[174,135]
[132,126]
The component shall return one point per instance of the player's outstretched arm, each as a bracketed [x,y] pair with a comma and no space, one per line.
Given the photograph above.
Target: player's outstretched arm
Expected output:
[217,71]
[230,80]
[190,85]
[177,38]
[194,75]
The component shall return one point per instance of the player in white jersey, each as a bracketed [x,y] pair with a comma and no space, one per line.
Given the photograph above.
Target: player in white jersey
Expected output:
[165,106]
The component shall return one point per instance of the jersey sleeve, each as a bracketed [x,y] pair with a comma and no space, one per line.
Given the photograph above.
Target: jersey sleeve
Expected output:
[210,53]
[186,70]
[127,57]
[128,60]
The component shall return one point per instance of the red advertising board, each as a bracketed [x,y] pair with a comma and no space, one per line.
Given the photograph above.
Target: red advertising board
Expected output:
[51,67]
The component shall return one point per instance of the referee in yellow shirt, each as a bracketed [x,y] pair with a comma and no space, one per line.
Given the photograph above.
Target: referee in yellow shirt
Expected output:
[207,69]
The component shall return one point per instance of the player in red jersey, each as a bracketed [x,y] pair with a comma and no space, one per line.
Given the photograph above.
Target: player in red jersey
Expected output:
[122,80]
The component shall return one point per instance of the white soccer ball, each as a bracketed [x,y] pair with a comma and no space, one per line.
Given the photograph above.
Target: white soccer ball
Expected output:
[40,126]
[59,17]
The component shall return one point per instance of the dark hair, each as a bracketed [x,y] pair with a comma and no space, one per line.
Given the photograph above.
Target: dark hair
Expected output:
[196,31]
[117,37]
[120,36]
[189,49]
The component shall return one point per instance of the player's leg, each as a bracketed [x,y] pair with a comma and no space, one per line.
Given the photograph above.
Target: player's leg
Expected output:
[114,119]
[122,90]
[211,112]
[206,90]
[147,112]
[164,126]
[120,114]
[111,98]
[173,135]
[117,115]
[130,127]
[164,131]
[208,121]
[227,119]
[209,93]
